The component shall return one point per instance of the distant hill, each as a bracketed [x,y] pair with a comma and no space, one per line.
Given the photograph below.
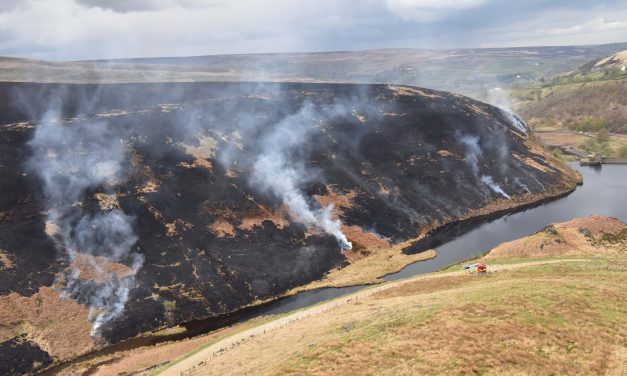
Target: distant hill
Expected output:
[466,71]
[618,61]
[598,104]
[603,68]
[589,98]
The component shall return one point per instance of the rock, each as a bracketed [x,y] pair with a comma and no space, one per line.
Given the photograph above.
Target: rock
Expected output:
[551,230]
[585,232]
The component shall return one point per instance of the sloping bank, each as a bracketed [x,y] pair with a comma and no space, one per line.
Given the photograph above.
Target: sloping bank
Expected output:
[432,324]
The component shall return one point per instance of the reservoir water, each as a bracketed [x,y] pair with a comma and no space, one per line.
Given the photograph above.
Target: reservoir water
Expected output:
[603,192]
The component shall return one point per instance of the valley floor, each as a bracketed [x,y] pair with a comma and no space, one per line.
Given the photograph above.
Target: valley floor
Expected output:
[561,138]
[553,303]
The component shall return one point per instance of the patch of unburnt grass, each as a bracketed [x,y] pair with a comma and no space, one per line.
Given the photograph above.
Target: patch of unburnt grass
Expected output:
[347,354]
[544,320]
[426,285]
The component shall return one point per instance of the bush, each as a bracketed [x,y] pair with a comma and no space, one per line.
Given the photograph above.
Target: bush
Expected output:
[590,125]
[557,153]
[588,145]
[603,135]
[622,151]
[592,145]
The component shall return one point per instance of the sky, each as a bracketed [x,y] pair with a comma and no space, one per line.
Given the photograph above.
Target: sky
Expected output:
[100,29]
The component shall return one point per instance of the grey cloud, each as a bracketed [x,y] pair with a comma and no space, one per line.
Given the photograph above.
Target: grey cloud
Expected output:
[125,6]
[9,5]
[79,30]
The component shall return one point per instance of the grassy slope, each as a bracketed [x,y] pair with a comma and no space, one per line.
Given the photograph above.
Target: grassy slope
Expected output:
[565,109]
[592,91]
[565,104]
[506,323]
[566,318]
[579,101]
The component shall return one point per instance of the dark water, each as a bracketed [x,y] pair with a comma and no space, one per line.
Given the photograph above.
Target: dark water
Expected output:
[604,192]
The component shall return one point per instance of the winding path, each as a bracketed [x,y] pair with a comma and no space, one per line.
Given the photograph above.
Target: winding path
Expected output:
[207,354]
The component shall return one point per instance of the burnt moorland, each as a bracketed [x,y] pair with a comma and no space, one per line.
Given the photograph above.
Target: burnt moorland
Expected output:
[223,192]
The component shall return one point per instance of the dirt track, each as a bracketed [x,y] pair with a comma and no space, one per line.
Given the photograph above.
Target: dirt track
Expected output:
[215,350]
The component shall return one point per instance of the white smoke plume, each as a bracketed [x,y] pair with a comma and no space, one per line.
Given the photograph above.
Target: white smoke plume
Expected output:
[473,153]
[499,98]
[279,173]
[524,186]
[516,121]
[493,186]
[70,159]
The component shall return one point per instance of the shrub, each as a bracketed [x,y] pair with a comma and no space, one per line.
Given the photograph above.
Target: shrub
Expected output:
[591,145]
[603,135]
[622,151]
[588,144]
[590,125]
[557,153]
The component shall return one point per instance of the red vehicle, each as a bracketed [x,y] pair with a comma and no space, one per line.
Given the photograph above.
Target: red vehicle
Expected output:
[479,268]
[482,268]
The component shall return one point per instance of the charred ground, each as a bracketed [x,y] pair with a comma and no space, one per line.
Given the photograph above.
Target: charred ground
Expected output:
[397,162]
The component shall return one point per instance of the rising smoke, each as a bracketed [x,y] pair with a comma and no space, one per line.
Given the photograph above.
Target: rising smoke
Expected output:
[493,186]
[70,160]
[473,153]
[499,98]
[275,170]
